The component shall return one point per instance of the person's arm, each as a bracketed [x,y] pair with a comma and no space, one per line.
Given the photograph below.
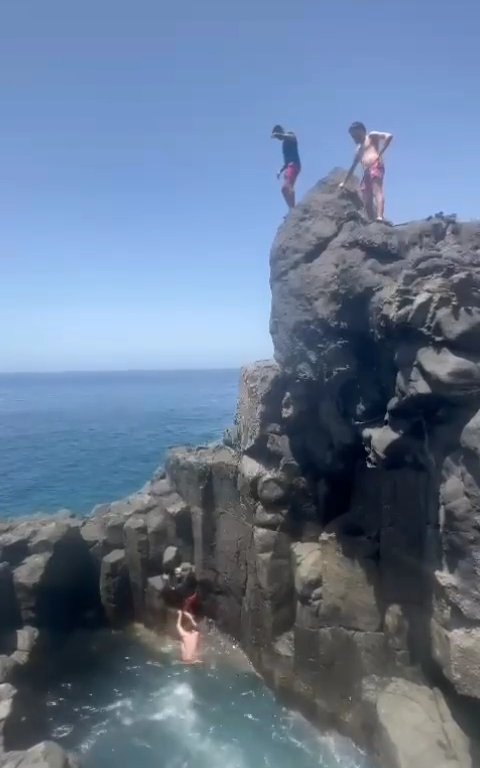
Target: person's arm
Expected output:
[356,160]
[379,136]
[180,629]
[189,616]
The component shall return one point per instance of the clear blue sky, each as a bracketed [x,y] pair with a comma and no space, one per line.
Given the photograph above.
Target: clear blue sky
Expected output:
[138,198]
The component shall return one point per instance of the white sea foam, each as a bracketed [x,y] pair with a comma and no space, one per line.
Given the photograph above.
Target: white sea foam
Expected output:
[175,708]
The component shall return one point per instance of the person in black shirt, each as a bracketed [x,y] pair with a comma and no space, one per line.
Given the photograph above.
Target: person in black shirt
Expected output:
[291,163]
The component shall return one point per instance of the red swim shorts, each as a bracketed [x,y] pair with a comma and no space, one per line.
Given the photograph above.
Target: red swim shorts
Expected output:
[374,172]
[291,173]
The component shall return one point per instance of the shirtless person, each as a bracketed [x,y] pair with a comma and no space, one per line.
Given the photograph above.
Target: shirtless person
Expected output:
[189,637]
[370,154]
[291,163]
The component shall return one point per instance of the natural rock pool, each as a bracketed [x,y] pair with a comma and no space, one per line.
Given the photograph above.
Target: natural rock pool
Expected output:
[124,700]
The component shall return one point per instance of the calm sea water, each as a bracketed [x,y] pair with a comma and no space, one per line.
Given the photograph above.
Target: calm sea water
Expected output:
[74,440]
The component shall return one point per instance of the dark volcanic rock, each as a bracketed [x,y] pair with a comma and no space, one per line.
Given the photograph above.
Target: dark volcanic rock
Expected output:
[155,606]
[115,590]
[136,554]
[339,534]
[56,586]
[9,611]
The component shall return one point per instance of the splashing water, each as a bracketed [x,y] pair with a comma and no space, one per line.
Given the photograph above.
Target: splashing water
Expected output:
[155,713]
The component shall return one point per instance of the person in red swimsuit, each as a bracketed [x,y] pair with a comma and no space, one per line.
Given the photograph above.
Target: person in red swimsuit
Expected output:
[370,148]
[291,163]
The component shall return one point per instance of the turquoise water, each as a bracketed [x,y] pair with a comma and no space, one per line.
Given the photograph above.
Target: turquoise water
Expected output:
[74,440]
[131,708]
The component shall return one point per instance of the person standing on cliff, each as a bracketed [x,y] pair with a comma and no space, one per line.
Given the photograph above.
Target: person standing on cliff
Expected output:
[370,148]
[291,163]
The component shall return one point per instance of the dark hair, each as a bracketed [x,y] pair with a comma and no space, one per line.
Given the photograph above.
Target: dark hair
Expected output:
[357,126]
[277,129]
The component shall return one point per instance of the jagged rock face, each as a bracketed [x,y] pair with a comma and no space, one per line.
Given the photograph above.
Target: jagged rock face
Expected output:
[60,572]
[377,329]
[340,530]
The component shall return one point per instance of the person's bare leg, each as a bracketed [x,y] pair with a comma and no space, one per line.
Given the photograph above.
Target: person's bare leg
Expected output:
[288,193]
[379,200]
[368,203]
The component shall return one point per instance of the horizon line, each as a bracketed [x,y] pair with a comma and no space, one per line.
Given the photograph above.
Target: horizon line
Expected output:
[91,371]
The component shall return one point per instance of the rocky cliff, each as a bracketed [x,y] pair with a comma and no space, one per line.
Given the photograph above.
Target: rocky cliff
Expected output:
[340,531]
[336,532]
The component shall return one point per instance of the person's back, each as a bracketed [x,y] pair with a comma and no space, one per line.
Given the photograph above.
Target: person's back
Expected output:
[189,638]
[290,149]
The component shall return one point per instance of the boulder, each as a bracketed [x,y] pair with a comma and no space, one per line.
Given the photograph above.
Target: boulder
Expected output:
[269,519]
[457,651]
[171,559]
[7,715]
[51,534]
[349,588]
[27,644]
[155,606]
[47,754]
[272,489]
[115,589]
[15,543]
[259,403]
[94,534]
[414,726]
[29,580]
[188,469]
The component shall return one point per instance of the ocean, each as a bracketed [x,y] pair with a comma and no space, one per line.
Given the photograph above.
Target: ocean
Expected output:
[78,439]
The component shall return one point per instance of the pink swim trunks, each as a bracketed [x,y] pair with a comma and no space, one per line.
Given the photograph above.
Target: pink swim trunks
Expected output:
[291,172]
[374,172]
